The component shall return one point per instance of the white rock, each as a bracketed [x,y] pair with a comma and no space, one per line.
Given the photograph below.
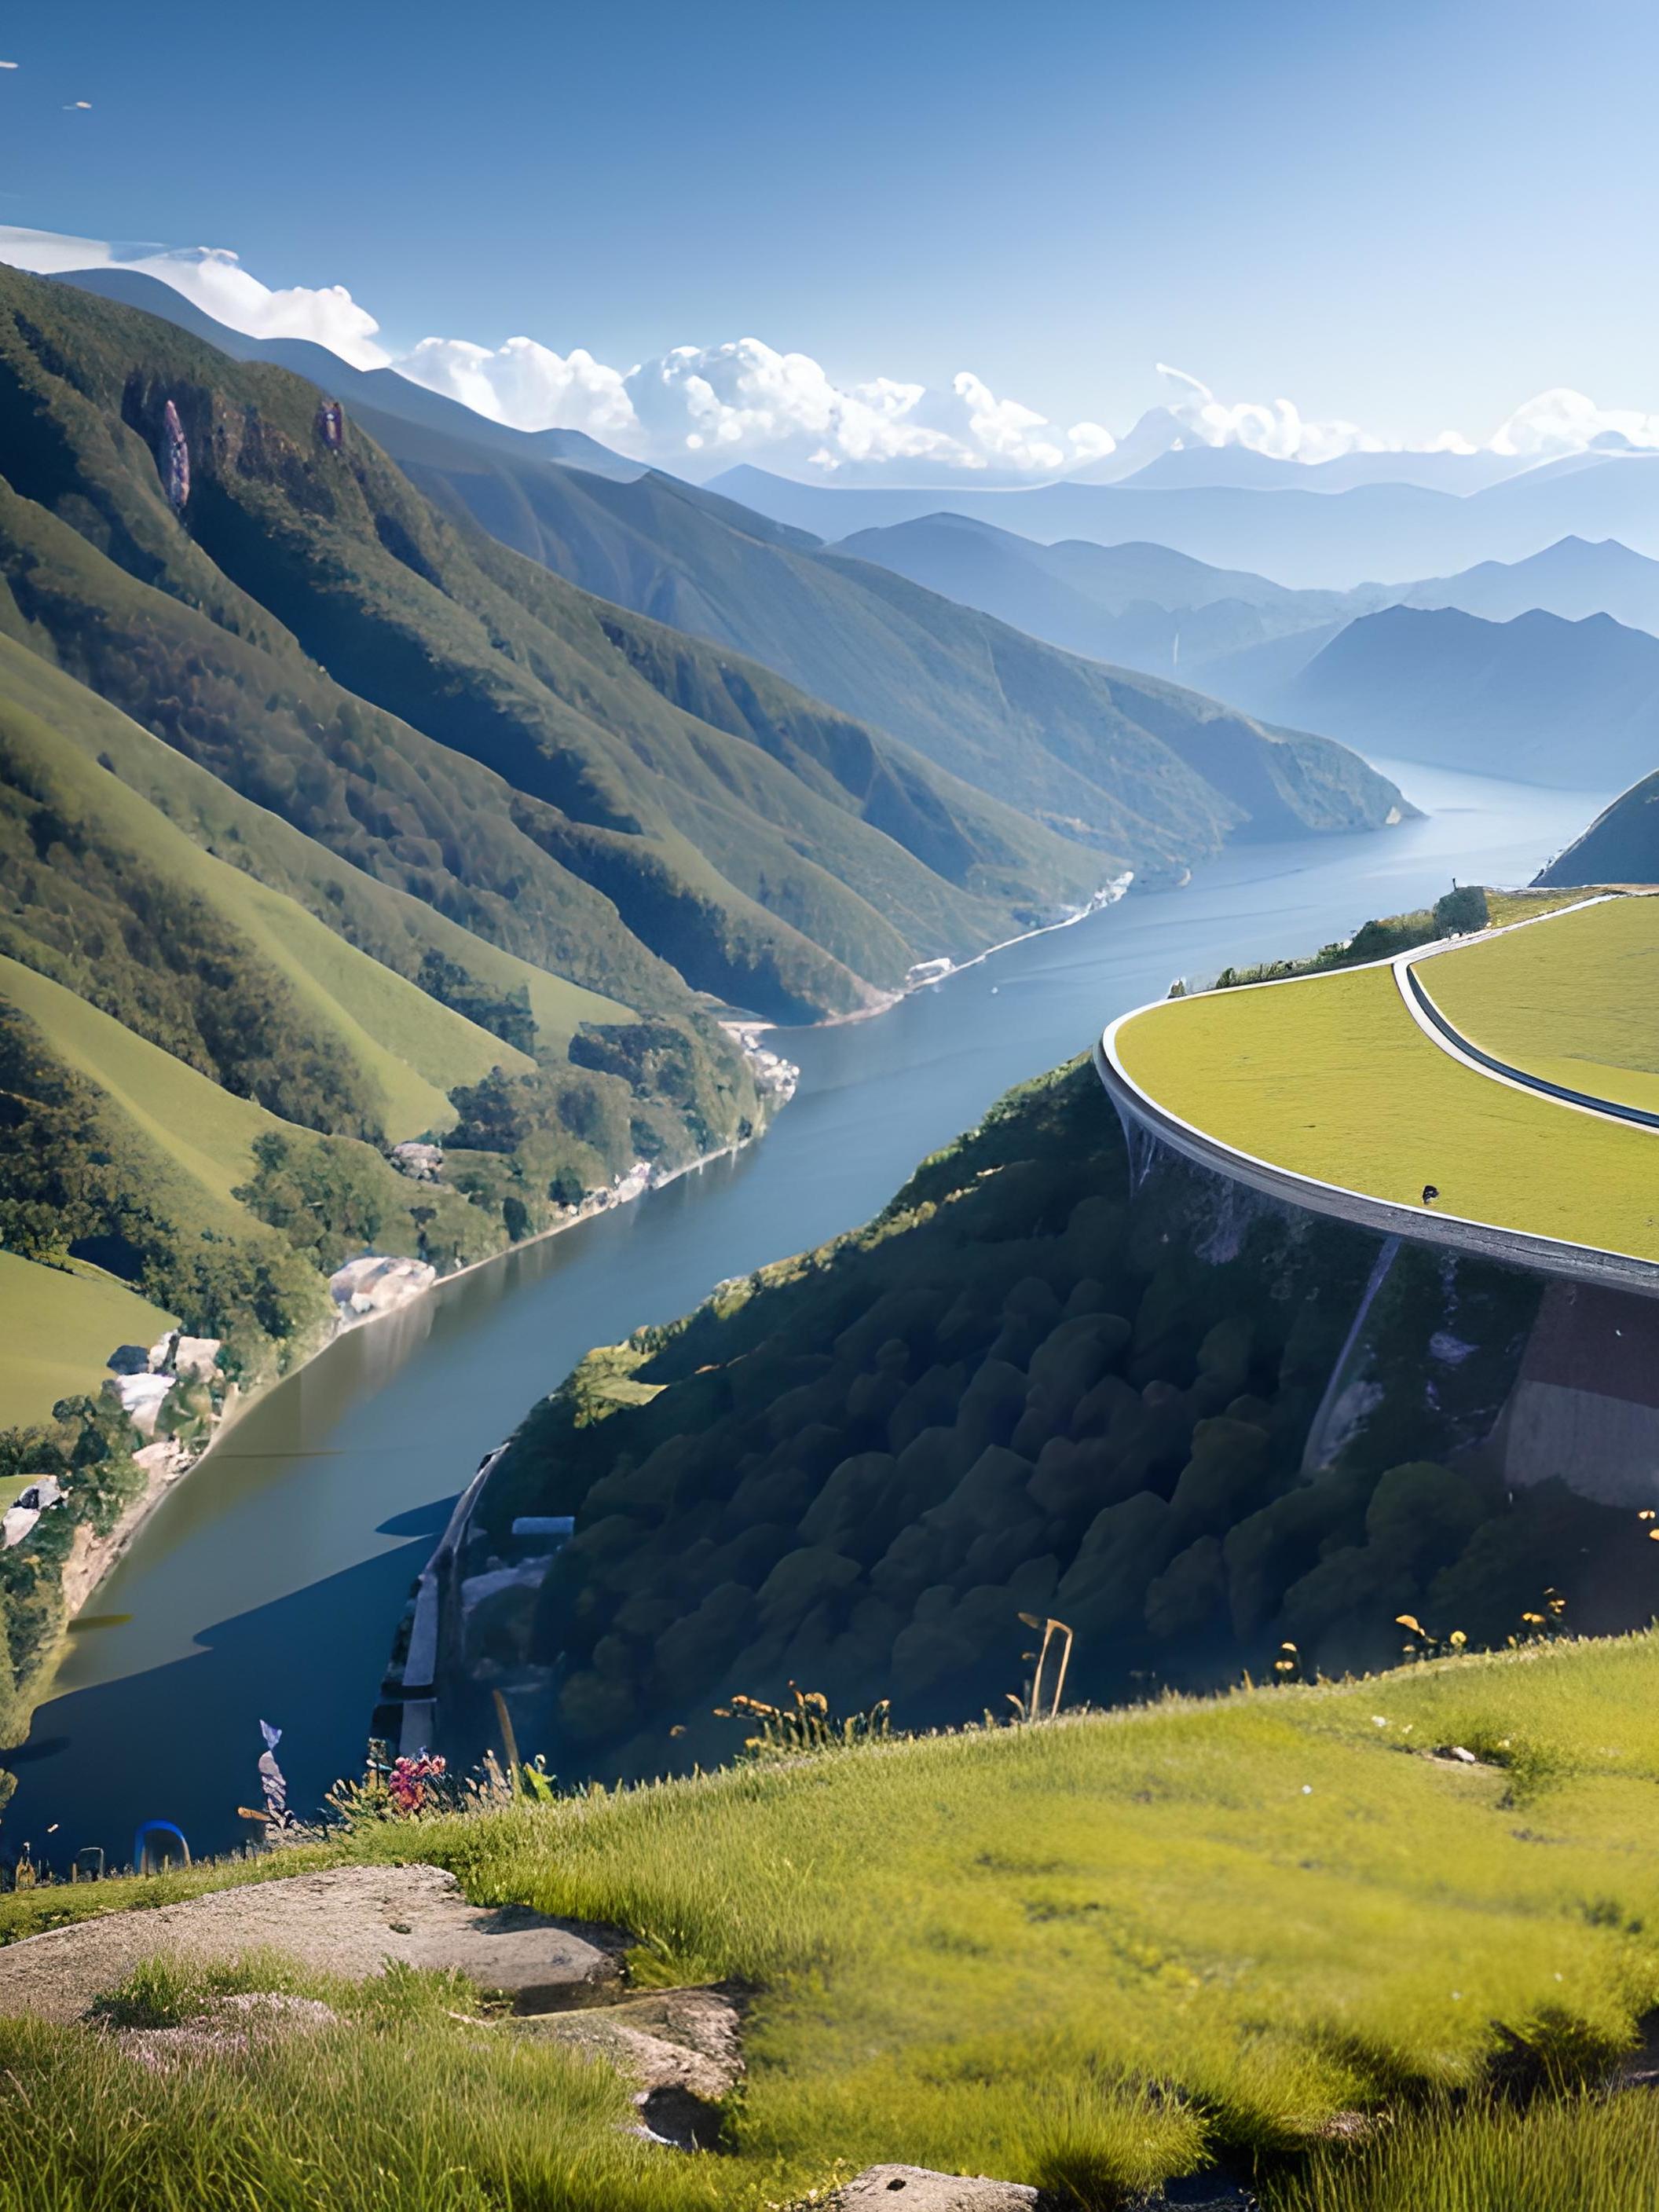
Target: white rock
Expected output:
[16,1524]
[165,1458]
[914,2189]
[378,1282]
[140,1397]
[423,1162]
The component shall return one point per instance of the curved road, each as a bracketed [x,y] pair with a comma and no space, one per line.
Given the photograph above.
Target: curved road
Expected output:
[1545,1254]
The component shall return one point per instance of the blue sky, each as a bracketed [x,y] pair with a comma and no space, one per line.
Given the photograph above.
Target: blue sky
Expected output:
[1414,215]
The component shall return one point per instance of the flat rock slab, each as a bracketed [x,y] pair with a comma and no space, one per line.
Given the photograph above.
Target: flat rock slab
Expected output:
[914,2189]
[347,1921]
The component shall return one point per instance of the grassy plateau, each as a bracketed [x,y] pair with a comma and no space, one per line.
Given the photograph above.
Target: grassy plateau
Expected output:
[1330,1078]
[1577,1003]
[1285,1932]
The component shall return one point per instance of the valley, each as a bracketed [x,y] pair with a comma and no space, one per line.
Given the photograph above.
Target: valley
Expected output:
[286,1559]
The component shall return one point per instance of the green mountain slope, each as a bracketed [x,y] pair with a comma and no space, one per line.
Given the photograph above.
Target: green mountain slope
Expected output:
[58,1326]
[194,990]
[238,980]
[1140,769]
[757,842]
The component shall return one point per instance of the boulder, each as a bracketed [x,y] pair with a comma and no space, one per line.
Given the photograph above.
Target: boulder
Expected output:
[421,1163]
[196,1355]
[379,1283]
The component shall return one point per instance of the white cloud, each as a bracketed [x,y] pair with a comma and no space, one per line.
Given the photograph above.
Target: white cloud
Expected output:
[707,405]
[701,408]
[1277,430]
[8,64]
[527,385]
[1562,422]
[216,281]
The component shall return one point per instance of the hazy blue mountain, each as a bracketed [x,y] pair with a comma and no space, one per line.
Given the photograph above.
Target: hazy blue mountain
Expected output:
[1572,578]
[1621,846]
[1546,701]
[1191,467]
[1258,672]
[1308,539]
[1139,606]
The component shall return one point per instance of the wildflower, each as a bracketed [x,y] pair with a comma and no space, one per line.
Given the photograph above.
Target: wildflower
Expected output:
[411,1781]
[1379,1720]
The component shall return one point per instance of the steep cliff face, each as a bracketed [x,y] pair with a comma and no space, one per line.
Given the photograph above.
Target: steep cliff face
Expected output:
[1193,1425]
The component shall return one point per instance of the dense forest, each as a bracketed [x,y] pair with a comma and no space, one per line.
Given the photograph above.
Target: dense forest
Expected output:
[1024,1390]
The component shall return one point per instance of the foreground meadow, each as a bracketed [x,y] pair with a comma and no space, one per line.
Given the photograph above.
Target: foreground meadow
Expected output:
[1291,1932]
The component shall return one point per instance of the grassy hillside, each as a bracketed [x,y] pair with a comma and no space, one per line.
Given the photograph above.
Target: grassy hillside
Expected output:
[117,901]
[1023,1389]
[763,845]
[1285,1934]
[58,1328]
[114,1150]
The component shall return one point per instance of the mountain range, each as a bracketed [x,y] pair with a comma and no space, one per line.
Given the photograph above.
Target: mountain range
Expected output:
[1390,531]
[1537,698]
[1146,774]
[333,820]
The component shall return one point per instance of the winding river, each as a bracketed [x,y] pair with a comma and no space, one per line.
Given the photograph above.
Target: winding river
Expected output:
[269,1583]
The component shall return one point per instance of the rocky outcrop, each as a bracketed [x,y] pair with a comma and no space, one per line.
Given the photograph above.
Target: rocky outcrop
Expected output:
[347,1921]
[378,1284]
[174,458]
[680,2049]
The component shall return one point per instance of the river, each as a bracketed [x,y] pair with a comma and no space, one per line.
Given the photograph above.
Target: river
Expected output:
[268,1584]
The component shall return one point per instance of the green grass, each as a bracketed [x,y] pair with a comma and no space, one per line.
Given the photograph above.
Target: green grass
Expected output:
[57,1329]
[1528,904]
[205,1131]
[1331,1079]
[1090,1955]
[1577,1004]
[1581,2156]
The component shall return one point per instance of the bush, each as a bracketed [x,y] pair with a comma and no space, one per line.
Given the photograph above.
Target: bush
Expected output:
[1462,910]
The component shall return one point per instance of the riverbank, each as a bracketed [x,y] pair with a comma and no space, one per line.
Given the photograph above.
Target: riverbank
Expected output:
[92,1556]
[927,973]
